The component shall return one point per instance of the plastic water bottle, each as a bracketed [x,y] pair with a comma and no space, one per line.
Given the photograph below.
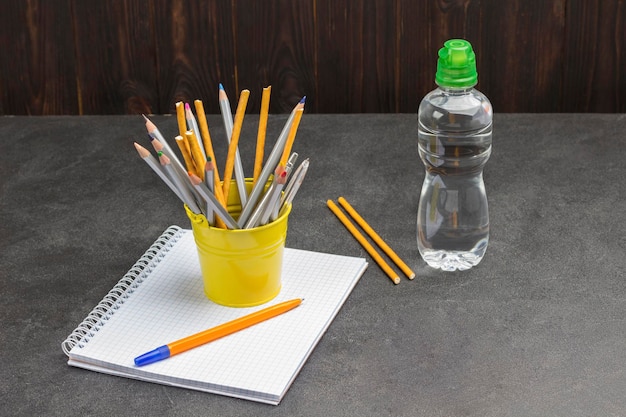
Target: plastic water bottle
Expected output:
[455,123]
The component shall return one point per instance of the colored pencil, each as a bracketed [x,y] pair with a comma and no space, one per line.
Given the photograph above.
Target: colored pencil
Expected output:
[155,133]
[193,126]
[199,160]
[162,147]
[291,137]
[157,168]
[233,149]
[183,146]
[260,138]
[209,181]
[227,117]
[271,212]
[188,198]
[180,117]
[279,184]
[208,147]
[294,184]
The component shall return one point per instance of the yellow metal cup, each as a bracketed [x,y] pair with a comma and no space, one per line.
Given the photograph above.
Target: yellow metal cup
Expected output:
[242,267]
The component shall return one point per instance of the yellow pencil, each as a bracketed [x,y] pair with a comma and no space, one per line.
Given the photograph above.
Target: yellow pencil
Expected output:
[208,147]
[260,139]
[196,154]
[361,239]
[204,131]
[180,117]
[292,136]
[234,141]
[183,145]
[376,238]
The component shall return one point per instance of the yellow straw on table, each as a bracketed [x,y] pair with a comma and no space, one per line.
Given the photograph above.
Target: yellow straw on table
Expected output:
[363,241]
[376,238]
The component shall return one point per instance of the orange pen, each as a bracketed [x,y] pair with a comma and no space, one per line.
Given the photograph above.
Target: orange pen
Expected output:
[198,339]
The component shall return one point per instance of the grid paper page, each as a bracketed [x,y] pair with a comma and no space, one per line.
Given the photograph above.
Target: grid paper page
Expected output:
[258,363]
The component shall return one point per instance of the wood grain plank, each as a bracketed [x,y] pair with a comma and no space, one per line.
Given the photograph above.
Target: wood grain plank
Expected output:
[275,45]
[194,44]
[437,21]
[594,75]
[115,52]
[520,56]
[355,56]
[132,56]
[37,68]
[517,46]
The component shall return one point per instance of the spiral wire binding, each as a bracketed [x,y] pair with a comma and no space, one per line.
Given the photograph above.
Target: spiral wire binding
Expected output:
[121,291]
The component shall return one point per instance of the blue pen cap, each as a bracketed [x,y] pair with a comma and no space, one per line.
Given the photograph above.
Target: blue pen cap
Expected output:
[162,352]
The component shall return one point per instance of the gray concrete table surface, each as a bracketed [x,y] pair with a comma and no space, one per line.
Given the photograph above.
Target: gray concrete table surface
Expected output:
[537,329]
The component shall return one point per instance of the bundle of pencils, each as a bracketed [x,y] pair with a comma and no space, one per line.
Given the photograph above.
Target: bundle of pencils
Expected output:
[196,180]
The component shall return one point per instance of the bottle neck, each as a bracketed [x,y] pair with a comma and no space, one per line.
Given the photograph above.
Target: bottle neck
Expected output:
[456,90]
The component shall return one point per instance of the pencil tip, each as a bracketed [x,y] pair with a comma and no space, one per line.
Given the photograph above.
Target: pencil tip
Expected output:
[143,152]
[303,100]
[221,86]
[187,107]
[150,127]
[195,180]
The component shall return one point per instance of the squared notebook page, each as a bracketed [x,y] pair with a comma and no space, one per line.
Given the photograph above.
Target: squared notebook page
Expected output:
[257,363]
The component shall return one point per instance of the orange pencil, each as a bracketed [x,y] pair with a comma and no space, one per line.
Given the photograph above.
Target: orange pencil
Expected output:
[292,136]
[183,145]
[376,238]
[234,141]
[208,147]
[260,138]
[198,339]
[203,126]
[196,153]
[361,239]
[180,117]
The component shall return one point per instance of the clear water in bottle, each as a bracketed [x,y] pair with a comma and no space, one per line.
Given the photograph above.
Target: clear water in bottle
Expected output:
[454,136]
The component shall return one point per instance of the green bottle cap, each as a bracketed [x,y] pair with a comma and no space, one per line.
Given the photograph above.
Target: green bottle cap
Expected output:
[456,66]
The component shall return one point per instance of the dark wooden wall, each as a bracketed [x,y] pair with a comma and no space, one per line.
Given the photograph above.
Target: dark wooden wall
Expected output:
[346,56]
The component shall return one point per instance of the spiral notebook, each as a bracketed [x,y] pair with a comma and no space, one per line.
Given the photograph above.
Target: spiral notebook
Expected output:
[161,299]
